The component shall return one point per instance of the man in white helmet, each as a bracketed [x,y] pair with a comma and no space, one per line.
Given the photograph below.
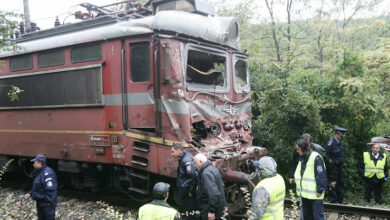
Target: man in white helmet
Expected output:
[268,195]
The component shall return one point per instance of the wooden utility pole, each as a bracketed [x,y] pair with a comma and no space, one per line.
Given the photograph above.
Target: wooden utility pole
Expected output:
[26,15]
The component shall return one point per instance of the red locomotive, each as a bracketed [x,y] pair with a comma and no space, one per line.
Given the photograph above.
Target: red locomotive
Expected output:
[106,97]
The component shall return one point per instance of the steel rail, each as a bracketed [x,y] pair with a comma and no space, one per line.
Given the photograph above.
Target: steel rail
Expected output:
[357,210]
[351,209]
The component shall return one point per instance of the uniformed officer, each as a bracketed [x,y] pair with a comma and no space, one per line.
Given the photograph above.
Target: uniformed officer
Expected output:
[44,189]
[158,208]
[375,171]
[335,152]
[310,180]
[187,180]
[316,147]
[268,195]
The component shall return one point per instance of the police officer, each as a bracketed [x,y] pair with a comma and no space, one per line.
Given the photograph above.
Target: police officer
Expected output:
[187,180]
[268,195]
[158,208]
[316,147]
[310,179]
[44,189]
[375,171]
[335,152]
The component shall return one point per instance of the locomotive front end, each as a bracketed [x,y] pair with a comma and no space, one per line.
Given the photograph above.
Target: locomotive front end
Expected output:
[205,95]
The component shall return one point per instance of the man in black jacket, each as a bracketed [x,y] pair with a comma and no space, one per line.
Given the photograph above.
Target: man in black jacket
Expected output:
[187,180]
[210,193]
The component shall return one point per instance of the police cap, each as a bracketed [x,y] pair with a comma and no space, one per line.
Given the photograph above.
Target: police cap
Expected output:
[341,131]
[160,189]
[40,158]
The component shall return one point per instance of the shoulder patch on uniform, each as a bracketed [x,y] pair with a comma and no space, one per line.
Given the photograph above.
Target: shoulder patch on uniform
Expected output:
[46,173]
[49,184]
[330,142]
[47,179]
[188,163]
[319,169]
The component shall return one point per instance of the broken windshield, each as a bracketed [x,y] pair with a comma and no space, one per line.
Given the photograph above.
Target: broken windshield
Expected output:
[241,74]
[206,70]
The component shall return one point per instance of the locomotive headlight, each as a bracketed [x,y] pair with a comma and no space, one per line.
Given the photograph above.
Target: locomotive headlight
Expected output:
[238,124]
[215,128]
[247,124]
[227,126]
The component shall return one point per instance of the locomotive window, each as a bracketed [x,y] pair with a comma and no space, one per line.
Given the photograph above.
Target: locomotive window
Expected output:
[86,53]
[206,69]
[53,58]
[140,62]
[23,62]
[240,73]
[67,88]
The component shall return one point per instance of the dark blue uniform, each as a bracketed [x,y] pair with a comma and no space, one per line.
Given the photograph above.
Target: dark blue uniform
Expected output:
[187,180]
[314,209]
[44,192]
[335,152]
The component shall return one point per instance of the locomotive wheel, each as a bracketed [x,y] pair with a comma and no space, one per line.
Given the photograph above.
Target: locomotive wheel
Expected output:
[124,183]
[27,167]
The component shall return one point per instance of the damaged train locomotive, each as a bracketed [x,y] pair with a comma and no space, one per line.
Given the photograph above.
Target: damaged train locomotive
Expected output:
[106,97]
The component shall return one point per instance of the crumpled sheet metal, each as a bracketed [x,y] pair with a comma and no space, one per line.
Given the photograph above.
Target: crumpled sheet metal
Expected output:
[209,112]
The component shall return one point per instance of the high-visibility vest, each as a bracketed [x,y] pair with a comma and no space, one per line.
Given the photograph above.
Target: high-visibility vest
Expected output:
[306,184]
[370,169]
[277,190]
[156,212]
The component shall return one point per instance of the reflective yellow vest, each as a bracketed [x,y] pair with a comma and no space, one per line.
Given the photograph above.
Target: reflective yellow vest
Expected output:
[370,169]
[306,185]
[156,212]
[277,190]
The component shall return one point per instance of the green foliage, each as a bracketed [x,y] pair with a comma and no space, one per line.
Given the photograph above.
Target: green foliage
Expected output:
[8,27]
[330,72]
[14,93]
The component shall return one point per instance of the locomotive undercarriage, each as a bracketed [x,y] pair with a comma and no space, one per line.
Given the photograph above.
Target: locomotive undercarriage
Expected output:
[120,180]
[92,177]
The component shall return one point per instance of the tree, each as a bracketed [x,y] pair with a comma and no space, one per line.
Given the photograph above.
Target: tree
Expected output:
[8,29]
[330,72]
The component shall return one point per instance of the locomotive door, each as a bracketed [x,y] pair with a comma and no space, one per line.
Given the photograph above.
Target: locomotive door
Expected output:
[140,84]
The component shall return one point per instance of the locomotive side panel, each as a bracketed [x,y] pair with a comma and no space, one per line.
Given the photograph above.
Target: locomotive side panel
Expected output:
[53,114]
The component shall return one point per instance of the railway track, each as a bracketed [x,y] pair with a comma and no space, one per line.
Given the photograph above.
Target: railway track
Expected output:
[349,209]
[330,208]
[357,210]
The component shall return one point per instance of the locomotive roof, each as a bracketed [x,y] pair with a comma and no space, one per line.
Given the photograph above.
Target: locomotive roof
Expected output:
[220,30]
